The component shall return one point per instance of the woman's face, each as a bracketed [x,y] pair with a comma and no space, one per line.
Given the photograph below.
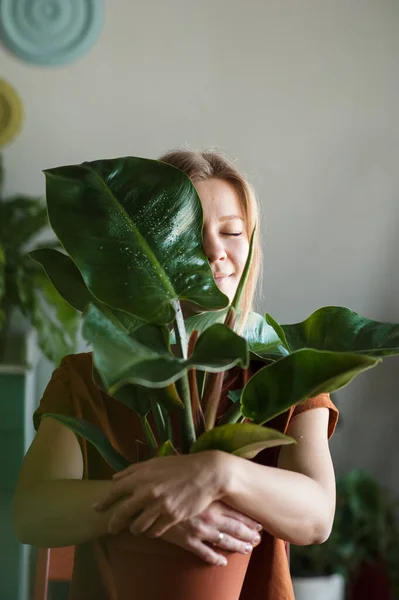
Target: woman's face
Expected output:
[225,240]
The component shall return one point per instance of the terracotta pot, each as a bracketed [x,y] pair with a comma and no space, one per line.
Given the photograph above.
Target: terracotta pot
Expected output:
[150,569]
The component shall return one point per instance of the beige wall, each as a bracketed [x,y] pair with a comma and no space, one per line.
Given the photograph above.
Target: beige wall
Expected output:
[305,95]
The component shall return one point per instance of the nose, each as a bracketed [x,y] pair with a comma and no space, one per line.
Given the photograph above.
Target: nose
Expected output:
[213,248]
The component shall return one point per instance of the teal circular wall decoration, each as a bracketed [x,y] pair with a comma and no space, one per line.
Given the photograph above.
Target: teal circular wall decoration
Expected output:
[50,32]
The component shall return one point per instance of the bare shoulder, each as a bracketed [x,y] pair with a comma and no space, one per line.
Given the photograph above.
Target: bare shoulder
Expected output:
[311,453]
[55,453]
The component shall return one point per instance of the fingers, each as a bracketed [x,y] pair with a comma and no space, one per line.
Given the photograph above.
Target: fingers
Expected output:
[161,525]
[205,532]
[234,514]
[128,471]
[123,514]
[154,520]
[145,522]
[231,543]
[182,535]
[238,530]
[206,553]
[120,489]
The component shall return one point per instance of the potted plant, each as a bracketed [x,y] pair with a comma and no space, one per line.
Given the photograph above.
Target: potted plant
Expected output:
[132,230]
[368,525]
[362,550]
[24,286]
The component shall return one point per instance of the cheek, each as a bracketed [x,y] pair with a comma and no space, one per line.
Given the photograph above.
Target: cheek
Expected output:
[242,254]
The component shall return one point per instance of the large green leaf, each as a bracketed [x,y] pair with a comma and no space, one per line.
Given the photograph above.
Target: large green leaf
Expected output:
[64,312]
[65,276]
[133,226]
[135,397]
[122,359]
[241,439]
[263,341]
[67,279]
[95,436]
[343,330]
[303,374]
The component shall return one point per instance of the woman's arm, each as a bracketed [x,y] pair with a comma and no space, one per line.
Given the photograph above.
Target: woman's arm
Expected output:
[52,504]
[296,501]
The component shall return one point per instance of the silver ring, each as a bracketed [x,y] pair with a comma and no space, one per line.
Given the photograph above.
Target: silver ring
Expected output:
[221,537]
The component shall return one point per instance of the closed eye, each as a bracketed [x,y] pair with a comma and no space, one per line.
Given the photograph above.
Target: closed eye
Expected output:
[235,234]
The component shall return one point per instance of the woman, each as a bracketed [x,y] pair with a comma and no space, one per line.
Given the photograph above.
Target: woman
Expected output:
[210,503]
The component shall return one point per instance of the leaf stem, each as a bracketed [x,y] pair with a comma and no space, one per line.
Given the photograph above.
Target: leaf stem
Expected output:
[159,420]
[187,426]
[149,433]
[168,425]
[232,415]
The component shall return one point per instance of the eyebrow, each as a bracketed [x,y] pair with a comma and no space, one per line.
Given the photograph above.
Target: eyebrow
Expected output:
[230,218]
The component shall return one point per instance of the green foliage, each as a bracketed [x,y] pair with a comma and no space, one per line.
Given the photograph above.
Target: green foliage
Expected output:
[132,228]
[244,439]
[23,283]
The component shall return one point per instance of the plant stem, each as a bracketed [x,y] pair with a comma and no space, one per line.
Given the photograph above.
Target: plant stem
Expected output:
[212,395]
[244,276]
[187,429]
[196,408]
[232,415]
[214,383]
[149,433]
[159,420]
[168,425]
[180,331]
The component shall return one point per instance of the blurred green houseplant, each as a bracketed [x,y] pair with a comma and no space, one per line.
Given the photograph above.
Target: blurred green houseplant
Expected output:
[132,228]
[23,283]
[365,532]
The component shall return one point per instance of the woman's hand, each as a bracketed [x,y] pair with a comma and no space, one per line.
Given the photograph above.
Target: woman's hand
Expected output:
[164,491]
[240,533]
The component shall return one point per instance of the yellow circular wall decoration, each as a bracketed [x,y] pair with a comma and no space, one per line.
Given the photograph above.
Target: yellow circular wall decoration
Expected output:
[11,112]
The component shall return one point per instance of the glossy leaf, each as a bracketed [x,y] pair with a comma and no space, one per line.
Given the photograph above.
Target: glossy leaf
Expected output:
[63,311]
[122,359]
[65,276]
[95,436]
[168,397]
[303,374]
[278,329]
[135,397]
[140,227]
[241,439]
[343,330]
[263,341]
[67,279]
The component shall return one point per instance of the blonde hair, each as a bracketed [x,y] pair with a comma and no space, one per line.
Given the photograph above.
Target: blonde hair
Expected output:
[202,165]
